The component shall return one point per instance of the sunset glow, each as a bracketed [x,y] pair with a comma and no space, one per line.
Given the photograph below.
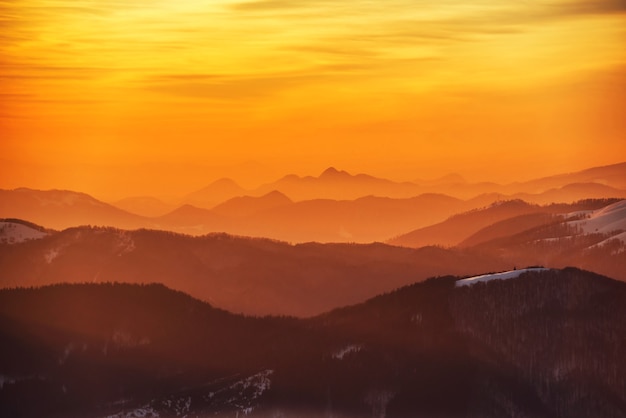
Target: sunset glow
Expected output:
[120,98]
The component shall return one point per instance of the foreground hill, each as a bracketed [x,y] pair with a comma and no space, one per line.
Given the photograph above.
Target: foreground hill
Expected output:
[547,343]
[254,276]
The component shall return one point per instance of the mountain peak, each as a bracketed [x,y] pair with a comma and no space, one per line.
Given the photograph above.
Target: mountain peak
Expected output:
[276,195]
[225,182]
[331,172]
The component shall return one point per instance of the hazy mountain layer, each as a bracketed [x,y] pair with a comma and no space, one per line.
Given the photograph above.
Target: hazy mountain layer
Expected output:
[509,217]
[254,276]
[333,207]
[596,182]
[260,276]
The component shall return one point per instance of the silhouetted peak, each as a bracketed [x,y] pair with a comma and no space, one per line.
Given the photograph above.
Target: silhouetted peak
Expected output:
[187,208]
[291,177]
[225,182]
[276,195]
[332,172]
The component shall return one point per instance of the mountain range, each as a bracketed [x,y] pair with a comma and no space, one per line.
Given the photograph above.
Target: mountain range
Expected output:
[340,185]
[261,276]
[544,343]
[438,298]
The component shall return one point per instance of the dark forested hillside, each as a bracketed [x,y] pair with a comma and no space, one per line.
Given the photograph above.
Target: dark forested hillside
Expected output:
[546,344]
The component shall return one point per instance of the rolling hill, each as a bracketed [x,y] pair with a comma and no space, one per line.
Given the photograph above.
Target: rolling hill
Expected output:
[510,216]
[253,276]
[59,209]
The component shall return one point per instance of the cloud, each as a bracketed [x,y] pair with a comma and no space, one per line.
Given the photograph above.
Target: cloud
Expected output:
[594,7]
[228,88]
[269,5]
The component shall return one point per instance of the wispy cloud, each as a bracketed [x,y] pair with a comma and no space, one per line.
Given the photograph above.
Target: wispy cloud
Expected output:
[256,48]
[228,88]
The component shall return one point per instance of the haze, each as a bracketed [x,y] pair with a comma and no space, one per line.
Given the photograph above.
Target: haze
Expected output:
[122,98]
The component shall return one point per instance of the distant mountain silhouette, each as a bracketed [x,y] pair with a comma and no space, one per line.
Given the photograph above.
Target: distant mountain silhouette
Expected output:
[60,209]
[366,219]
[545,344]
[273,215]
[340,185]
[144,206]
[335,184]
[355,208]
[573,192]
[191,220]
[612,176]
[596,183]
[449,179]
[248,205]
[215,193]
[333,174]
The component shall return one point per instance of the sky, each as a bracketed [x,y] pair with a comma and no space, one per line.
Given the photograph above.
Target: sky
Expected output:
[119,98]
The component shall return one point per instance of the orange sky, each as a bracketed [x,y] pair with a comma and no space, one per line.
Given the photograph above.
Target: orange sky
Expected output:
[119,98]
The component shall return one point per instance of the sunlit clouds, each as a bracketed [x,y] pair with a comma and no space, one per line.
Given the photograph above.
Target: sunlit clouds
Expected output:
[441,86]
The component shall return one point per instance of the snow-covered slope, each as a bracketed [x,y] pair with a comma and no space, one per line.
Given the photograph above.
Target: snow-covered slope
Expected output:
[15,232]
[513,274]
[606,220]
[619,237]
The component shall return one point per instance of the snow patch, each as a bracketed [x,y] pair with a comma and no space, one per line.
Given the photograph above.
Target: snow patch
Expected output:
[50,255]
[6,379]
[145,411]
[124,339]
[180,406]
[243,394]
[378,401]
[513,274]
[609,219]
[125,243]
[239,398]
[15,233]
[66,353]
[257,384]
[579,214]
[619,237]
[353,348]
